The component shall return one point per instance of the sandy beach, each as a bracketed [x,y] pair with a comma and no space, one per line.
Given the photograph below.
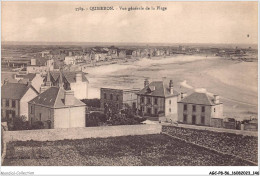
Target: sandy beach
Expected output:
[234,81]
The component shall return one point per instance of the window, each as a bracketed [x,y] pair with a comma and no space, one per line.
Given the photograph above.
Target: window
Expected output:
[142,99]
[13,103]
[202,120]
[111,96]
[203,109]
[105,96]
[7,113]
[149,110]
[185,118]
[31,109]
[148,100]
[40,116]
[7,103]
[155,101]
[155,111]
[214,109]
[13,113]
[117,97]
[194,108]
[185,107]
[193,119]
[170,110]
[49,114]
[170,102]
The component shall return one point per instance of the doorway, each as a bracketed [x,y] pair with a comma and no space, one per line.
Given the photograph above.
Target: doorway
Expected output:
[149,111]
[193,119]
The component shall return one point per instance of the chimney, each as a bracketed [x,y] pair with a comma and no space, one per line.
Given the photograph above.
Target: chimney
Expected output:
[33,61]
[69,97]
[60,79]
[216,99]
[183,95]
[28,82]
[79,77]
[171,86]
[43,89]
[146,82]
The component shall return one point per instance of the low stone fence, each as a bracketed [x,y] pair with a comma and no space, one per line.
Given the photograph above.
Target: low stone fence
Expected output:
[3,143]
[244,146]
[251,126]
[81,133]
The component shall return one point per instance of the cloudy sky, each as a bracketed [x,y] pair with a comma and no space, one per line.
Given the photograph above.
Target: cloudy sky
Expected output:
[182,22]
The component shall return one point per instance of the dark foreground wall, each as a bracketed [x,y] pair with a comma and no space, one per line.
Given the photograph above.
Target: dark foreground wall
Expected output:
[239,145]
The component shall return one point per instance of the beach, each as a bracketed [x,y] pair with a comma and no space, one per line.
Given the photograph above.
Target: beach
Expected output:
[234,81]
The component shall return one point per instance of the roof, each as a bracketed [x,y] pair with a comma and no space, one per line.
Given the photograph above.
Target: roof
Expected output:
[160,90]
[41,61]
[99,50]
[199,98]
[29,76]
[15,90]
[54,98]
[68,75]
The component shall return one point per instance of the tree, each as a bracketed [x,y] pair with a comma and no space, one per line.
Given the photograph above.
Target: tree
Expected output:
[125,117]
[18,123]
[92,102]
[95,118]
[38,125]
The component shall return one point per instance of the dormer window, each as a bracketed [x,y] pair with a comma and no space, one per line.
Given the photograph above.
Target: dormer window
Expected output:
[152,88]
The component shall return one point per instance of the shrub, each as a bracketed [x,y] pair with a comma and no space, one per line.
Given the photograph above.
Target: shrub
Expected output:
[38,125]
[95,119]
[92,102]
[18,123]
[122,119]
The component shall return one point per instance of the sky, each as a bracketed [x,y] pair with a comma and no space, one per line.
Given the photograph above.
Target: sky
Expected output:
[182,22]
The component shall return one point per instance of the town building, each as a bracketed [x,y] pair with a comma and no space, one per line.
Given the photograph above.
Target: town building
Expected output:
[113,52]
[200,109]
[118,99]
[57,108]
[11,62]
[99,54]
[45,53]
[35,79]
[72,80]
[15,98]
[72,60]
[121,53]
[40,65]
[158,98]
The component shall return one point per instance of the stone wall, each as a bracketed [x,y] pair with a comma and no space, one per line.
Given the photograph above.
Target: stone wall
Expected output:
[81,133]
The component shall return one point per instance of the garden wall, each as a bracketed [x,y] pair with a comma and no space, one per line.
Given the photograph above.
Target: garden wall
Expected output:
[244,146]
[81,133]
